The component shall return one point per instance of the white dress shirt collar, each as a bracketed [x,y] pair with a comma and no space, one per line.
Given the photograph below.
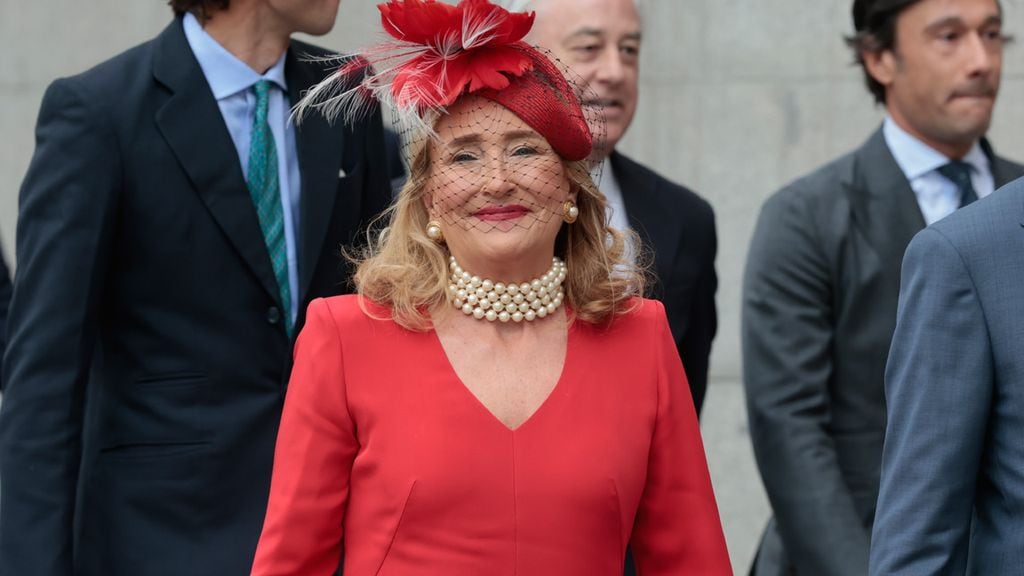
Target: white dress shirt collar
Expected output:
[915,158]
[937,196]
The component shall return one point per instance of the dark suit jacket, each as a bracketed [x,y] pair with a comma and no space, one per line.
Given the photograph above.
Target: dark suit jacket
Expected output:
[952,485]
[819,308]
[678,226]
[148,358]
[396,166]
[5,299]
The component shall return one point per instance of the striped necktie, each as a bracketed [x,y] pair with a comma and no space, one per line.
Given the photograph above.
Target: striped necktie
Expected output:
[265,190]
[960,174]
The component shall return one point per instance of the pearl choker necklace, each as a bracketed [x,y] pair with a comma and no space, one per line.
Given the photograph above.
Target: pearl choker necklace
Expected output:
[487,300]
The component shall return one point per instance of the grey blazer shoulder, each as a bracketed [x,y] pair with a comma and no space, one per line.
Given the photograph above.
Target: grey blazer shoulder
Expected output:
[819,309]
[958,352]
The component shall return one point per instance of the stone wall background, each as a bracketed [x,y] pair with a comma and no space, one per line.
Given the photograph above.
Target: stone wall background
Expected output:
[737,98]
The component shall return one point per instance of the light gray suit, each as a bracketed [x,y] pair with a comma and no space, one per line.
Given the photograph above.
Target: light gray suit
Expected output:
[819,309]
[952,491]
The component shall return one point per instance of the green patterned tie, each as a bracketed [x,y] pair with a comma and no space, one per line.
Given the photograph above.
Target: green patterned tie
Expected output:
[265,190]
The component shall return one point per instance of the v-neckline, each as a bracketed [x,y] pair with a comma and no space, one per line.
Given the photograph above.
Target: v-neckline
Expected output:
[467,391]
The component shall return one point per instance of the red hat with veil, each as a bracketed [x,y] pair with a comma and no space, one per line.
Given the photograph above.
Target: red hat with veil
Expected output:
[439,52]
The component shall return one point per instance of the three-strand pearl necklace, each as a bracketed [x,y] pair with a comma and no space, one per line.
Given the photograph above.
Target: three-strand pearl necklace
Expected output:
[487,300]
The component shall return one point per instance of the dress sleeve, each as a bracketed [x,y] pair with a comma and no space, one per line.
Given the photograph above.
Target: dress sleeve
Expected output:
[677,529]
[302,533]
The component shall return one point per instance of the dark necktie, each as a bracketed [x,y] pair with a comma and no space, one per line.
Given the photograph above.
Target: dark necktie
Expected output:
[959,173]
[265,190]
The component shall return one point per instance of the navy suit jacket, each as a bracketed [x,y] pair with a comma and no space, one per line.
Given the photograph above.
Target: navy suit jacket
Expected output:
[147,356]
[952,491]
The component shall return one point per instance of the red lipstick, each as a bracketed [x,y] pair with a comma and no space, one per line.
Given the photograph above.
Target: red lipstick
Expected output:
[499,213]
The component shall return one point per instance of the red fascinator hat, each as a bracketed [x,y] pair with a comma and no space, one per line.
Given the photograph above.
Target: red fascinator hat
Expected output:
[439,52]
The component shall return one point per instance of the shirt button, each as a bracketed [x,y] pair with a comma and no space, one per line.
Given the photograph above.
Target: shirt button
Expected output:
[273,315]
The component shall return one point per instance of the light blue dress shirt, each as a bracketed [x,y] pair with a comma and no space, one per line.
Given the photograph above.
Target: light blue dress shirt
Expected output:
[231,81]
[937,195]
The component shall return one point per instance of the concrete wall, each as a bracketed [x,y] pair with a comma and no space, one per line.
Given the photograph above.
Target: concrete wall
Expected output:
[738,97]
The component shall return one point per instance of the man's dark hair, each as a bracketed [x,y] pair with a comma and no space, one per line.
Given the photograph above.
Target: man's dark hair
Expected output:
[201,8]
[874,24]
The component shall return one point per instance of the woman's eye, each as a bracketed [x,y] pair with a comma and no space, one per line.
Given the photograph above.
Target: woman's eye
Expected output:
[463,157]
[524,151]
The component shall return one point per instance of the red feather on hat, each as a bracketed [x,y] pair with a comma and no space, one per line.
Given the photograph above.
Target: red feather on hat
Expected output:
[440,52]
[468,47]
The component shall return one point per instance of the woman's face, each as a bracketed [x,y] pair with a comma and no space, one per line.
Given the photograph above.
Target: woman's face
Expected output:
[497,188]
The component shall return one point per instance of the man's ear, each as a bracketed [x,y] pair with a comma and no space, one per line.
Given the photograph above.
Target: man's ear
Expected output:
[881,65]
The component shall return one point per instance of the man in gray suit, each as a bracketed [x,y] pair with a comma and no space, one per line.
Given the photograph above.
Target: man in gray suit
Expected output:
[822,279]
[952,486]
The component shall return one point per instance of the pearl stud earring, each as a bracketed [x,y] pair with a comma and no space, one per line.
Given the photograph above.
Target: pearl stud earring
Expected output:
[570,212]
[434,231]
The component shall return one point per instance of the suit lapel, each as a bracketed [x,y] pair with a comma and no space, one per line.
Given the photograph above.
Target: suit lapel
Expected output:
[882,201]
[1003,172]
[320,148]
[194,129]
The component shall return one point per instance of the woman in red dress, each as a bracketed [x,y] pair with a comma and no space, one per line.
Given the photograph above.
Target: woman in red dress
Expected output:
[497,400]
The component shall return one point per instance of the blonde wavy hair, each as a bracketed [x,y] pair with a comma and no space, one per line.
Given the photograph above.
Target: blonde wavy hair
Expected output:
[403,269]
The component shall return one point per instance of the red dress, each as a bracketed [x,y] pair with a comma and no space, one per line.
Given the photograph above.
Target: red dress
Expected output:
[383,451]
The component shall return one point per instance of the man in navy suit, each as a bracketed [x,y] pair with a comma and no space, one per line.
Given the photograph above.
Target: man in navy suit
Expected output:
[155,309]
[952,486]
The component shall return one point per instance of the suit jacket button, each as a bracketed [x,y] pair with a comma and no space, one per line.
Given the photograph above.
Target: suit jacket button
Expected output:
[273,315]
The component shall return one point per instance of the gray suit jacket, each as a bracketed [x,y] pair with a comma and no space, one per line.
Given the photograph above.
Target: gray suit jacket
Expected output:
[819,309]
[952,490]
